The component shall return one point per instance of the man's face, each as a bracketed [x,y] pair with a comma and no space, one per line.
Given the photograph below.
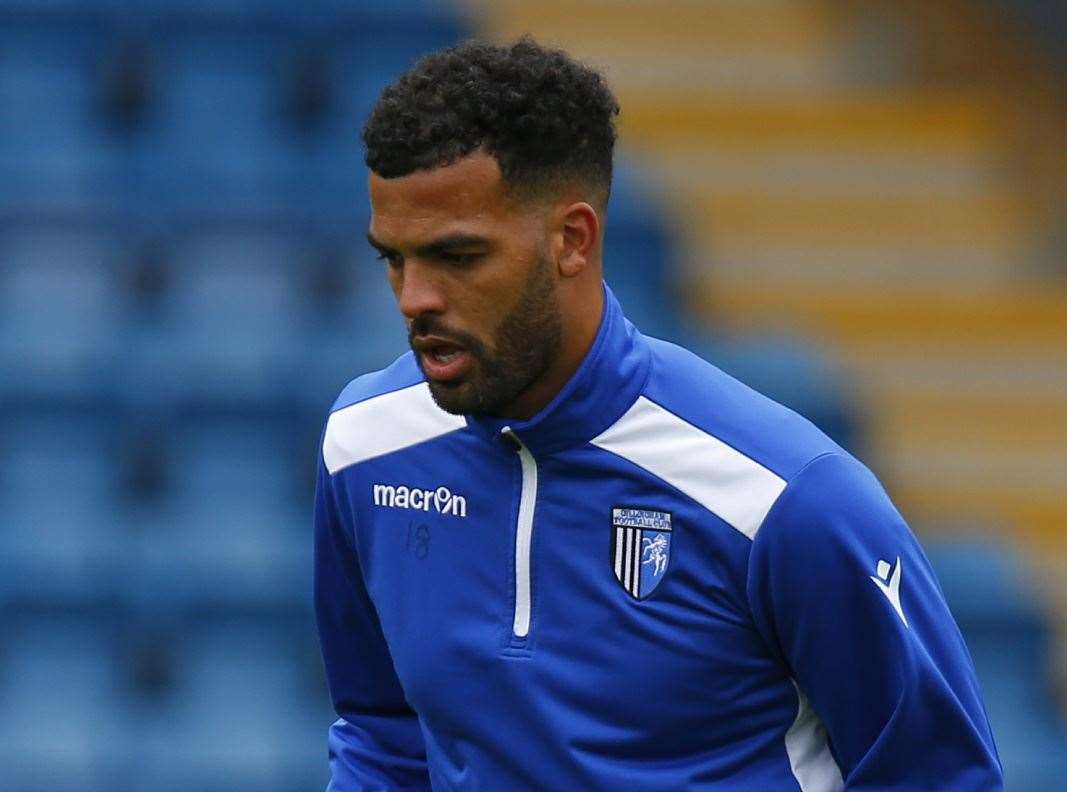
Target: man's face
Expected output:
[473,275]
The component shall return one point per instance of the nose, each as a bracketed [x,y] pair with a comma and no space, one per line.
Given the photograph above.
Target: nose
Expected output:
[418,290]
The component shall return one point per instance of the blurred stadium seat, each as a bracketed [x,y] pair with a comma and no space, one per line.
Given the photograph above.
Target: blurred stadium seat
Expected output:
[60,306]
[1007,631]
[48,90]
[62,724]
[185,287]
[238,713]
[58,481]
[227,529]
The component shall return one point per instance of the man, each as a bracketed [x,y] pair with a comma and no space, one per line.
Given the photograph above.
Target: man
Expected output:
[552,553]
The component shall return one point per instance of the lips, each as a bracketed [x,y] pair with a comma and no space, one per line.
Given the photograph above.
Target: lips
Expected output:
[442,360]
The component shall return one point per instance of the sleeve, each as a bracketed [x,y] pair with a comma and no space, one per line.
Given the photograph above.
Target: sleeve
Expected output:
[376,744]
[842,592]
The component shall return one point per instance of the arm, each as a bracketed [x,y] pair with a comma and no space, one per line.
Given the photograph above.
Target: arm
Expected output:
[376,744]
[894,686]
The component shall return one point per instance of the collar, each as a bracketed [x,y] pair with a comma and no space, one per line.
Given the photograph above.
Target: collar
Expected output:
[607,382]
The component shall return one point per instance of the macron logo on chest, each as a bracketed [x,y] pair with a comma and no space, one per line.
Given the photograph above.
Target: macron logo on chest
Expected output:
[441,500]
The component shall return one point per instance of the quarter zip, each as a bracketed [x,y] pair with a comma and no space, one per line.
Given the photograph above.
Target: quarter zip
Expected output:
[523,535]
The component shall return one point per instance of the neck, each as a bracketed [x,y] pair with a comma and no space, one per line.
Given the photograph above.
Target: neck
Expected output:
[581,322]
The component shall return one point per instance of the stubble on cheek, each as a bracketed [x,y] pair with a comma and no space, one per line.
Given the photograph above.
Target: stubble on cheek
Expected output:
[523,348]
[519,352]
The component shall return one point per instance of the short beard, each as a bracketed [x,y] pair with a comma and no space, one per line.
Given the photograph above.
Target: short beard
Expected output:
[525,344]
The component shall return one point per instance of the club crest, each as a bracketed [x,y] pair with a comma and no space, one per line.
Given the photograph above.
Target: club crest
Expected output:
[640,548]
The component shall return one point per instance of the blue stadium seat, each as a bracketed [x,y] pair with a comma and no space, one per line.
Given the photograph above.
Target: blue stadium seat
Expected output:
[232,529]
[62,723]
[234,554]
[221,11]
[230,83]
[226,327]
[235,280]
[244,449]
[61,306]
[370,45]
[49,97]
[215,104]
[1034,755]
[989,590]
[60,543]
[639,258]
[991,594]
[635,267]
[241,713]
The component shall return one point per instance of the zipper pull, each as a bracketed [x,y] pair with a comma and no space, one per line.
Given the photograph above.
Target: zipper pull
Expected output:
[511,438]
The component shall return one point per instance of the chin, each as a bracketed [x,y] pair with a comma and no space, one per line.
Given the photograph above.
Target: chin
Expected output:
[456,398]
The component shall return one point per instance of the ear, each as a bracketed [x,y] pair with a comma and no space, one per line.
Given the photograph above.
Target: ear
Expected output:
[580,226]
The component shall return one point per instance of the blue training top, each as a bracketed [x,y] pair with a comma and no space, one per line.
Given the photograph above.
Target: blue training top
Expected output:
[664,580]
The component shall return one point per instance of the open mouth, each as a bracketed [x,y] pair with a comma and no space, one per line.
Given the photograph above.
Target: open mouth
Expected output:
[442,361]
[445,354]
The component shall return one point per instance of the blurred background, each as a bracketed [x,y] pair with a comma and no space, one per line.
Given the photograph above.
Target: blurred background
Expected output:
[856,207]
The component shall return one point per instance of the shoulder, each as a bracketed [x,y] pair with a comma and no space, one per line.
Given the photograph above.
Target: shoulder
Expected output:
[812,483]
[832,534]
[728,447]
[770,434]
[382,412]
[833,501]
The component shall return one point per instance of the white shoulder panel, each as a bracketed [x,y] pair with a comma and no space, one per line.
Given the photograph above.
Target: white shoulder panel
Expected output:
[384,424]
[724,481]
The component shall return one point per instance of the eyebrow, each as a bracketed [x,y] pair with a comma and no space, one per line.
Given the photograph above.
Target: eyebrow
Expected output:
[442,245]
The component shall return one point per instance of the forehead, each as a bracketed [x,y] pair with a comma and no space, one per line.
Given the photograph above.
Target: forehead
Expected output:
[468,193]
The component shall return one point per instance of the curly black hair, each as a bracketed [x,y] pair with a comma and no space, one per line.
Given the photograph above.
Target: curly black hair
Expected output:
[546,119]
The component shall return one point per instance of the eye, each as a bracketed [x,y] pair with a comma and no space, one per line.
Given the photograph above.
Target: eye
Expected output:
[460,258]
[393,259]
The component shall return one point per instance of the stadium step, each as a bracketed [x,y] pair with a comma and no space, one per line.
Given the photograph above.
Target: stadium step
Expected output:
[786,165]
[855,317]
[645,26]
[919,222]
[644,45]
[833,121]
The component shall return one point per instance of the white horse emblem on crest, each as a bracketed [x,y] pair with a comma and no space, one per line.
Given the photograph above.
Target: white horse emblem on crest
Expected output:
[640,548]
[655,552]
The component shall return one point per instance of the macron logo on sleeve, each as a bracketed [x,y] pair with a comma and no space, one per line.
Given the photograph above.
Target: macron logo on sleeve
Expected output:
[888,582]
